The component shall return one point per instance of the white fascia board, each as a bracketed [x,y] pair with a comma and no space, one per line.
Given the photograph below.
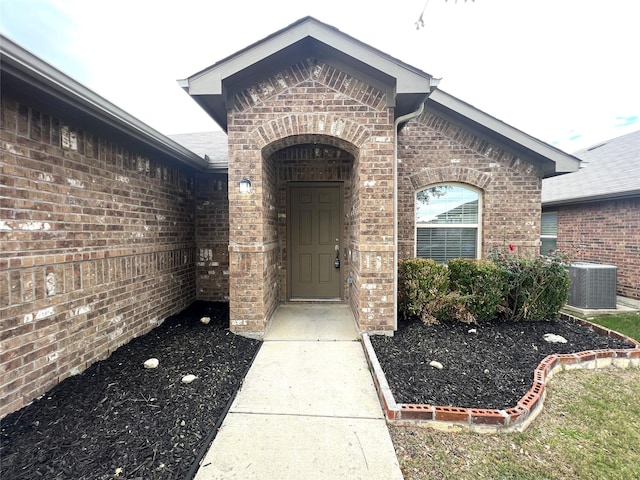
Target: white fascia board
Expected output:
[209,83]
[564,163]
[409,80]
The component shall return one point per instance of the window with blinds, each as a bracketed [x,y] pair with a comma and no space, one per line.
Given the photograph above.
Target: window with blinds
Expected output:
[447,223]
[549,233]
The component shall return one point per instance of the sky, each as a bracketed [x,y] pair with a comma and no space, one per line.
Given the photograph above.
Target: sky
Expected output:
[564,71]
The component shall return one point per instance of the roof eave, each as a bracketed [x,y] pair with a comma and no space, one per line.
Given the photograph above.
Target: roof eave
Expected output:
[21,64]
[405,81]
[410,79]
[552,160]
[592,198]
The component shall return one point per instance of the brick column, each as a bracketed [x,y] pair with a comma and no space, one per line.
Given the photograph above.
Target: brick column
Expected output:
[375,238]
[246,246]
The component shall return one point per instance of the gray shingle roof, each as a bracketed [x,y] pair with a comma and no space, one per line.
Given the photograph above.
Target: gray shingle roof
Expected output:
[609,170]
[212,146]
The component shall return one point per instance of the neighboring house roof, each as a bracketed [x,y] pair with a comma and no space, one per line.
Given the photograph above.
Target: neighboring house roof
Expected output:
[43,86]
[406,87]
[610,170]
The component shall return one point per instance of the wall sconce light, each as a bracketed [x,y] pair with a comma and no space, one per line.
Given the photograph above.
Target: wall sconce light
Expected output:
[245,185]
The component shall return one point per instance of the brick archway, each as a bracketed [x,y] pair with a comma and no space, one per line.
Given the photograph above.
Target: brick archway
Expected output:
[333,130]
[431,176]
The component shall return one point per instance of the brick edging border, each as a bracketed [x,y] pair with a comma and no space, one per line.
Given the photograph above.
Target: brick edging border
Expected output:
[528,407]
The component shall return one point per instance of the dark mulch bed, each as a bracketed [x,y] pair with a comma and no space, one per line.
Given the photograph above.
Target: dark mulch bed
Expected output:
[119,415]
[492,368]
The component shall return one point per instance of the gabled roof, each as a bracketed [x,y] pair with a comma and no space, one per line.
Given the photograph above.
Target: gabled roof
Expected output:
[43,86]
[609,170]
[551,160]
[405,85]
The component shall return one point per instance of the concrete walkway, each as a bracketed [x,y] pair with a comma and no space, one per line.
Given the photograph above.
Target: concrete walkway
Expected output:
[308,408]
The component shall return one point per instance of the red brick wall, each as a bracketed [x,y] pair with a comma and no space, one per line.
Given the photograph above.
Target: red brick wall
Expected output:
[270,264]
[97,248]
[604,232]
[431,150]
[212,237]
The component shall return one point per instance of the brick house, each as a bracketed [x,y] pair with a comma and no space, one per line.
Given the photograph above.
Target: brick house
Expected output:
[336,161]
[594,214]
[336,139]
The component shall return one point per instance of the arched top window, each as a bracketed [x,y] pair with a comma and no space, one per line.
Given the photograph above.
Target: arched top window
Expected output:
[447,222]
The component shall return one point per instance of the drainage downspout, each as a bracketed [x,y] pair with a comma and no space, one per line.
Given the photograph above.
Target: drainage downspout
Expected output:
[399,120]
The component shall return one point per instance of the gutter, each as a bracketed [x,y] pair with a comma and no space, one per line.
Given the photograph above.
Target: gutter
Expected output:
[19,63]
[396,124]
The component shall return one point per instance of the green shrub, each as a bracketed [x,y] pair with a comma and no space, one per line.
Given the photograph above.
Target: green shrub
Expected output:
[481,286]
[536,289]
[423,289]
[480,290]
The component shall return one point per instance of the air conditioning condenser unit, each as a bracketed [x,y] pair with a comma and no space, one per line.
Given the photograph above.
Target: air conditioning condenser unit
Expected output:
[593,286]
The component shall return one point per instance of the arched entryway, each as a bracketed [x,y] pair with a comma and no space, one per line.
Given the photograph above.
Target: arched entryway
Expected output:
[313,193]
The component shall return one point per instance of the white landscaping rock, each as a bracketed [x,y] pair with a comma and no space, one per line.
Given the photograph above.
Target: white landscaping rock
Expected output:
[152,363]
[435,364]
[205,320]
[553,338]
[472,330]
[188,378]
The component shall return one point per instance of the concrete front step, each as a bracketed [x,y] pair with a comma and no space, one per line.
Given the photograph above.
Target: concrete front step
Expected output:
[313,322]
[309,378]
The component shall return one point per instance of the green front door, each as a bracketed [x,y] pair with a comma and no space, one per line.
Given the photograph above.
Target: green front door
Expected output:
[314,234]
